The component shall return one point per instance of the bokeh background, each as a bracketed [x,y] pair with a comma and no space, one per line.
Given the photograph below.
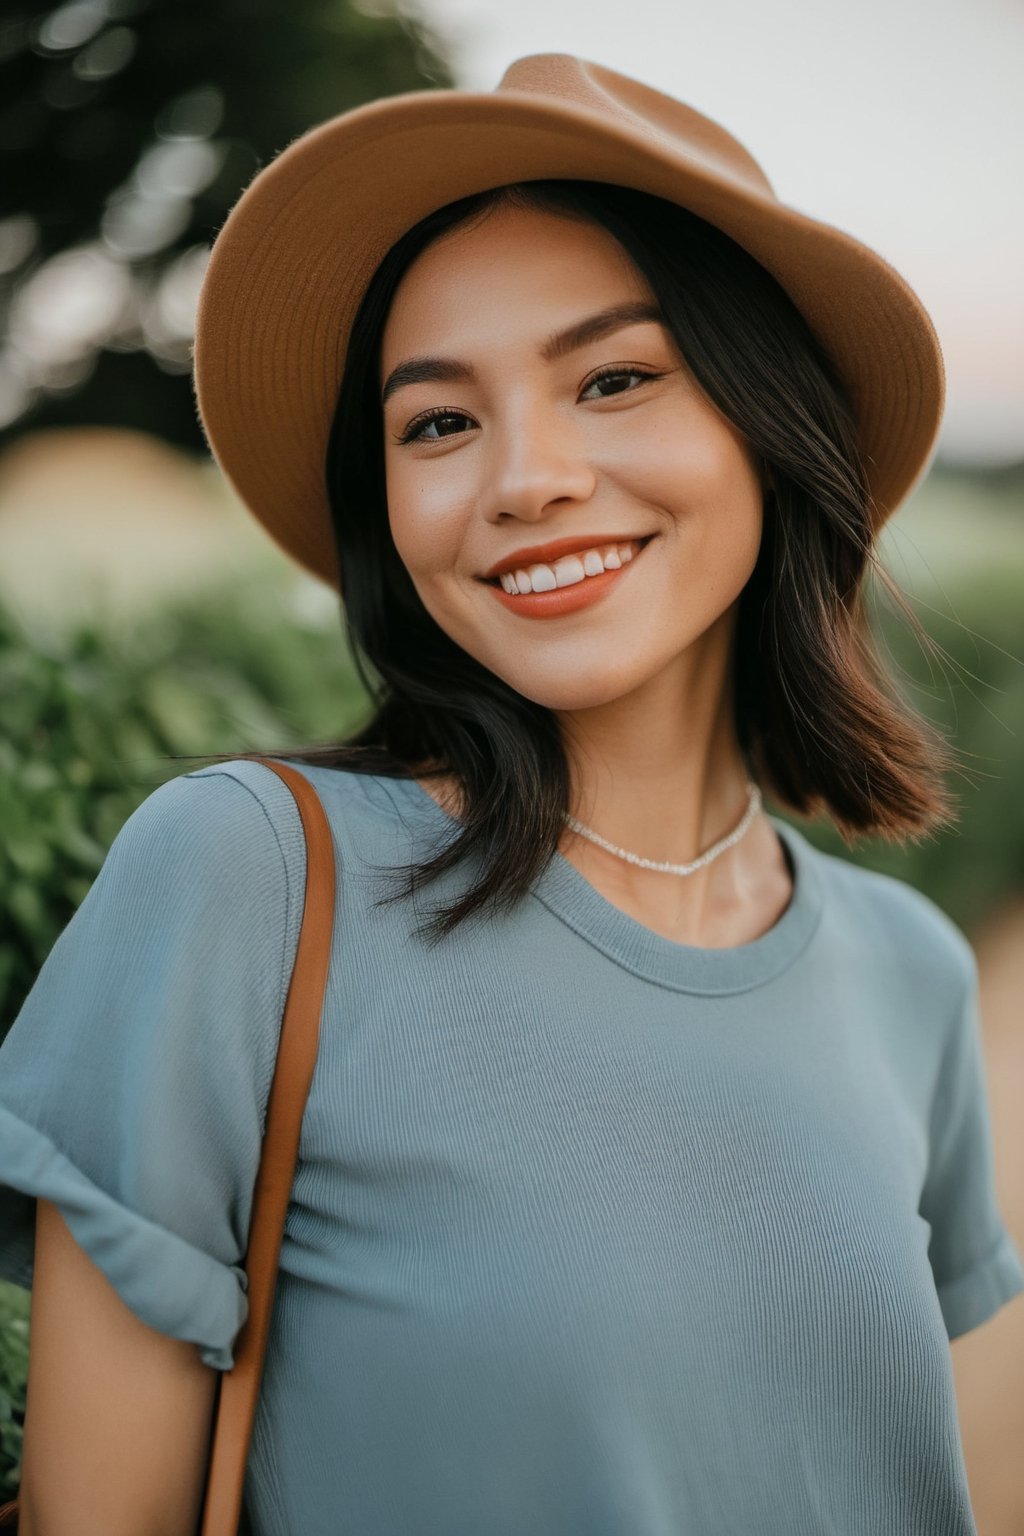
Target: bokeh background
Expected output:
[144,614]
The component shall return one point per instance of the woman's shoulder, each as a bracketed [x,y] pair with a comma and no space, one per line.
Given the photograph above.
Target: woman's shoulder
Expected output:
[207,874]
[893,917]
[228,838]
[213,826]
[241,802]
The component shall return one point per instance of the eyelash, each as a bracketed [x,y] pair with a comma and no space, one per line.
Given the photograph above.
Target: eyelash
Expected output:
[440,412]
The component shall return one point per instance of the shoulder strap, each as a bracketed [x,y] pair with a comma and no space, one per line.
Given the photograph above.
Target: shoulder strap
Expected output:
[296,1058]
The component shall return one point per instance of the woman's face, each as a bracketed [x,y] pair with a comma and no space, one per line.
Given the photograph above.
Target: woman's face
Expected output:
[498,439]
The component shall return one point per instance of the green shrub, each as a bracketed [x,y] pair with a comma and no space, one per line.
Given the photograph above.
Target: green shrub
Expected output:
[14,1313]
[90,716]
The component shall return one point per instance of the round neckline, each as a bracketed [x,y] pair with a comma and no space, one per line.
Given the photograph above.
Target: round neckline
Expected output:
[569,896]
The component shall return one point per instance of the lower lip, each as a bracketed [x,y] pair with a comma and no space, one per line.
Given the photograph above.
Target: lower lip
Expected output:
[563,600]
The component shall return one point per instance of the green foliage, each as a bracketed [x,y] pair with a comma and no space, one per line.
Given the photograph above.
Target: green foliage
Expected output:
[92,717]
[15,1305]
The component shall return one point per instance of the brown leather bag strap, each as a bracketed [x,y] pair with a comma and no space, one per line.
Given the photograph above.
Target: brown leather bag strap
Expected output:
[293,1073]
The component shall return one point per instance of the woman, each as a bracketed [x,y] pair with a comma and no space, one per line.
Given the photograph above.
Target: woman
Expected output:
[646,1170]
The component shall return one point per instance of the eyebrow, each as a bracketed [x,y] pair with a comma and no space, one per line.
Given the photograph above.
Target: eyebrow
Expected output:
[448,370]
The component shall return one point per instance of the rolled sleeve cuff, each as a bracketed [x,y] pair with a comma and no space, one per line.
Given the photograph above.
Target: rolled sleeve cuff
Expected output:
[172,1286]
[972,1298]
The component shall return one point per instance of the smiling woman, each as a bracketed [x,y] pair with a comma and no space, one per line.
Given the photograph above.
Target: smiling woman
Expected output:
[596,426]
[574,410]
[645,1177]
[609,369]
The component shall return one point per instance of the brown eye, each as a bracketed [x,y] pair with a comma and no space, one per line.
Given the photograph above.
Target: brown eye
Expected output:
[417,430]
[617,377]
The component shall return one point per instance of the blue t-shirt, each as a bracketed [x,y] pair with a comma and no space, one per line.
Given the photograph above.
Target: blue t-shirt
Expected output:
[592,1233]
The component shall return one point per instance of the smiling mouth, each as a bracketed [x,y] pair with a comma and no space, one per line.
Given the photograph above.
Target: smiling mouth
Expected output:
[568,570]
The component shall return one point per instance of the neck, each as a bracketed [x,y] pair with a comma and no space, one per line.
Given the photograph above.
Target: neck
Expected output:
[659,772]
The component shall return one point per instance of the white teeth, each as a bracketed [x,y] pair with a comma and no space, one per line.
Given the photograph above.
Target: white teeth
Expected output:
[569,570]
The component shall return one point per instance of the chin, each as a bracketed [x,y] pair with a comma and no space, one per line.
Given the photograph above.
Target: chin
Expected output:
[566,695]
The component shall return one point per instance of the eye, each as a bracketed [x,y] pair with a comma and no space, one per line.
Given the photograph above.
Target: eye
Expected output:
[616,376]
[417,428]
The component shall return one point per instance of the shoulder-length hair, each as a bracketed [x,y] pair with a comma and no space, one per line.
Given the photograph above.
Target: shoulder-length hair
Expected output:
[820,724]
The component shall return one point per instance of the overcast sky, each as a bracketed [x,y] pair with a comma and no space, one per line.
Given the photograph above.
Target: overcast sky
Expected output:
[900,121]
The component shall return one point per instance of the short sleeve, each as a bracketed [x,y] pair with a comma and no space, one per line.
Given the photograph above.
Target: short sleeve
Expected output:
[134,1081]
[975,1263]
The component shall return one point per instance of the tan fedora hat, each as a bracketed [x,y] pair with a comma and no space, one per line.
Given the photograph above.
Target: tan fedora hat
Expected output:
[294,257]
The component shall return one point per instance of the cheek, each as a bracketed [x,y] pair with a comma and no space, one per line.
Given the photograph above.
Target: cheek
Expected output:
[426,522]
[681,454]
[704,480]
[728,525]
[707,485]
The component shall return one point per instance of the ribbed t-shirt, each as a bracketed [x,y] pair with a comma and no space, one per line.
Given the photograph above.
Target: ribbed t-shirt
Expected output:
[592,1233]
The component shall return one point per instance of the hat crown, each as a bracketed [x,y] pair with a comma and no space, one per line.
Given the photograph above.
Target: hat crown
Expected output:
[594,88]
[291,265]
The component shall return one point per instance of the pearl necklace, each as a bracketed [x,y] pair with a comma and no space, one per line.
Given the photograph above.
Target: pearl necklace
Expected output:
[734,836]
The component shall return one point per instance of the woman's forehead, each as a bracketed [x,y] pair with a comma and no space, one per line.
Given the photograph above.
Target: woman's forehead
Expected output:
[512,265]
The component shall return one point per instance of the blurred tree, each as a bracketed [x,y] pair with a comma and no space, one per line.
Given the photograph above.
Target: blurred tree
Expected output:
[127,130]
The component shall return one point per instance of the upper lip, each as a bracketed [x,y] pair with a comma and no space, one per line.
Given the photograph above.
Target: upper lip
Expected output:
[535,554]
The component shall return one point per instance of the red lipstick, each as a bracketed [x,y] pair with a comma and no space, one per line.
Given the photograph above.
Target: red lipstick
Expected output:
[544,554]
[565,600]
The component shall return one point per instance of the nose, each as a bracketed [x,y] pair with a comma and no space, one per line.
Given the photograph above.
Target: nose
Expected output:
[535,461]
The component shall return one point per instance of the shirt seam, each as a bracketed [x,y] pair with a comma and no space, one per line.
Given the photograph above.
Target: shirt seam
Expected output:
[690,988]
[283,967]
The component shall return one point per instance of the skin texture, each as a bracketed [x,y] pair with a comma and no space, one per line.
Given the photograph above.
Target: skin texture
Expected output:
[530,449]
[118,1416]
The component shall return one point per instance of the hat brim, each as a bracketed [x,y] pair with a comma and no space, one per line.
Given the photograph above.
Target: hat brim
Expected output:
[293,260]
